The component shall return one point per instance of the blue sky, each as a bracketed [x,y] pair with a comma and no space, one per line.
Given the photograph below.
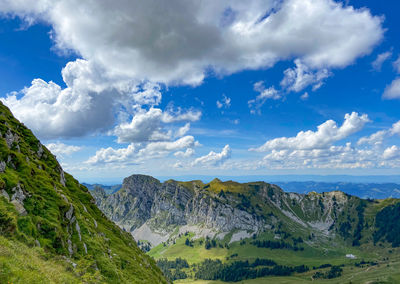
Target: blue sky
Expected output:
[272,87]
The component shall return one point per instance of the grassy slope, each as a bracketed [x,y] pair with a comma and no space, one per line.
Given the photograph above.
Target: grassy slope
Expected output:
[310,256]
[22,264]
[112,255]
[388,271]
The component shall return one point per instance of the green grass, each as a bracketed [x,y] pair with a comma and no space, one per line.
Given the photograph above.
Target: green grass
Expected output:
[367,275]
[22,264]
[193,254]
[112,254]
[324,253]
[385,272]
[310,256]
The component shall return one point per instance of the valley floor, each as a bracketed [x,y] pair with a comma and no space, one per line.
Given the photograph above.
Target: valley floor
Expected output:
[386,271]
[383,273]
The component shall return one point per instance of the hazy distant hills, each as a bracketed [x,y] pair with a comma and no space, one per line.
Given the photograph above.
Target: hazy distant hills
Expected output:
[109,189]
[360,189]
[363,190]
[292,177]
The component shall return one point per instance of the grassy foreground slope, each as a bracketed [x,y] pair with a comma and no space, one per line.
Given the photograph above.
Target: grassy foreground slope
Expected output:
[50,228]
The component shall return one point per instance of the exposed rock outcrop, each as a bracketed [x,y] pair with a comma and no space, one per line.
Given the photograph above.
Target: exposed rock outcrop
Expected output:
[152,210]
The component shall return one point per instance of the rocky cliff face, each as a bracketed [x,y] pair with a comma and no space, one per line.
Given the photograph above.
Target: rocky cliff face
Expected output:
[131,206]
[156,212]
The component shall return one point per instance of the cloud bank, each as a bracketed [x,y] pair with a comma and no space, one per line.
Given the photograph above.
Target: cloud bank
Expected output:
[318,149]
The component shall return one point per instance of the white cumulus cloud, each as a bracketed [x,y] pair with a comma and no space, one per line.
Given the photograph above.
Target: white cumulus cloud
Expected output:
[193,36]
[62,149]
[120,67]
[391,152]
[144,126]
[264,94]
[188,153]
[374,139]
[317,150]
[138,152]
[72,111]
[213,158]
[183,130]
[392,91]
[327,133]
[395,128]
[300,77]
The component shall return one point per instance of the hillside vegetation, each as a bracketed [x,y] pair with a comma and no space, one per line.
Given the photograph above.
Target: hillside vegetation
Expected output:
[50,228]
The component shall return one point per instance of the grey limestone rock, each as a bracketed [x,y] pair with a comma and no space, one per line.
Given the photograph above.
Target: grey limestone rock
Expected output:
[11,138]
[62,176]
[5,194]
[40,151]
[70,250]
[18,198]
[78,230]
[70,212]
[2,166]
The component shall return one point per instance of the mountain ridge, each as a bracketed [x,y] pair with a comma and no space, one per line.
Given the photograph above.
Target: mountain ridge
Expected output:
[145,204]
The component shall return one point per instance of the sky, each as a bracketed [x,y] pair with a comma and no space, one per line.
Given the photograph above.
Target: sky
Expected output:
[214,88]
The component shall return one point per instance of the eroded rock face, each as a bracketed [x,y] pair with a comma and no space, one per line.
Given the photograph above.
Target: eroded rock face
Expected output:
[10,138]
[2,166]
[18,198]
[152,210]
[161,207]
[131,206]
[40,151]
[62,176]
[70,213]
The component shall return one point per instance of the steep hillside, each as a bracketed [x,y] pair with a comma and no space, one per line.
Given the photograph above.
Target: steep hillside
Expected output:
[50,228]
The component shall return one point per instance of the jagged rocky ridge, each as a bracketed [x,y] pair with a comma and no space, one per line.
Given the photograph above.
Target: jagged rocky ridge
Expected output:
[156,212]
[50,214]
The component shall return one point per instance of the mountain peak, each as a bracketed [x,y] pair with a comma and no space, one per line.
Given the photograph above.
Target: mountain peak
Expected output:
[216,180]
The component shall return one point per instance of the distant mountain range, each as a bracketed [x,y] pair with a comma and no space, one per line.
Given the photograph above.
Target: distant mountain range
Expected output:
[292,177]
[109,189]
[362,190]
